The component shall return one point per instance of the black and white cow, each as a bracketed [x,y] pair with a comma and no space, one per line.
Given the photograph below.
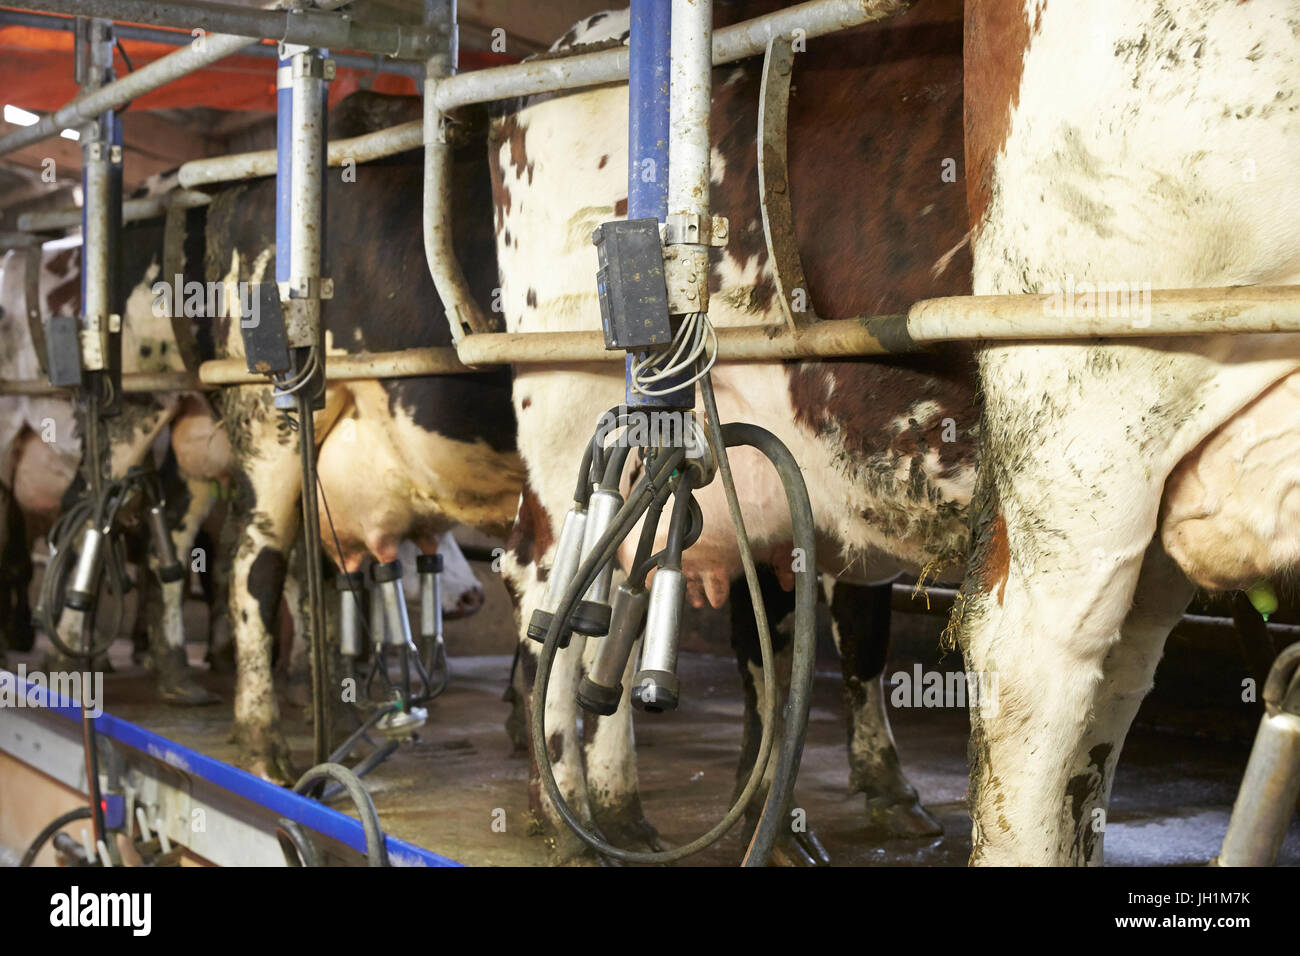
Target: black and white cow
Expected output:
[887,447]
[397,459]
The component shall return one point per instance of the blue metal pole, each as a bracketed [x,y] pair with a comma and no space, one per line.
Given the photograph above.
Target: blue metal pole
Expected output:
[647,127]
[647,137]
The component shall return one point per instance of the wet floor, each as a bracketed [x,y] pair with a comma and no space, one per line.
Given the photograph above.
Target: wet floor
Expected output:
[459,791]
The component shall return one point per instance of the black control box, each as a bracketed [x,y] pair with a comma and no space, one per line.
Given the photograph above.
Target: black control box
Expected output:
[630,284]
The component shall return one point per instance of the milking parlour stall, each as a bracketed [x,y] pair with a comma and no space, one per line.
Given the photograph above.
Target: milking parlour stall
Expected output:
[710,433]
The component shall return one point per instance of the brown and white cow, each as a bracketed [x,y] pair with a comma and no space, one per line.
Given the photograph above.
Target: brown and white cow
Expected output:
[875,136]
[1145,144]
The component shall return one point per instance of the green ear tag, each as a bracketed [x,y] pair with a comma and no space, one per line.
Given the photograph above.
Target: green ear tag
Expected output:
[1263,597]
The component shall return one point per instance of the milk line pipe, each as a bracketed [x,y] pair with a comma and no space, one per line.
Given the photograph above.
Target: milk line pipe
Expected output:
[160,72]
[993,318]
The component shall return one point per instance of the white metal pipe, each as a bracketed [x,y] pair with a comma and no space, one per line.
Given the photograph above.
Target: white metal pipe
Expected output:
[253,165]
[690,97]
[306,187]
[133,210]
[144,80]
[1136,314]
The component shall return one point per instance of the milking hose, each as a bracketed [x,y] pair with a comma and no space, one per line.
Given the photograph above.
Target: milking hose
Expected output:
[604,550]
[805,611]
[376,849]
[72,816]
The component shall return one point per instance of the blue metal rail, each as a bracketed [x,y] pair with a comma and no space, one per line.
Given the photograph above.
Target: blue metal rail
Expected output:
[316,816]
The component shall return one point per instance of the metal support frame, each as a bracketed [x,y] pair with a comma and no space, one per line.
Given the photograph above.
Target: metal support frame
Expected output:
[101,216]
[1001,318]
[147,78]
[126,31]
[304,27]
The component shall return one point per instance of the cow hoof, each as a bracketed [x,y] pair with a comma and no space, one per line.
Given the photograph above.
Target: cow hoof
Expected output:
[894,818]
[264,754]
[186,692]
[800,849]
[221,660]
[628,829]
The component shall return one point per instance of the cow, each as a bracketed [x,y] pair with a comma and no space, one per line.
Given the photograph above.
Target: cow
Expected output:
[1147,145]
[397,458]
[41,437]
[886,447]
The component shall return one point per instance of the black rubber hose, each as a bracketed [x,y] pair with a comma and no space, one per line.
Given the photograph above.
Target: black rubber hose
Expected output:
[644,560]
[372,760]
[345,748]
[773,817]
[677,524]
[614,465]
[296,845]
[72,816]
[376,849]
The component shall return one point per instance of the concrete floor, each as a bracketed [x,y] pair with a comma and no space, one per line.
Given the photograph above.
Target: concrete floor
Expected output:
[1171,799]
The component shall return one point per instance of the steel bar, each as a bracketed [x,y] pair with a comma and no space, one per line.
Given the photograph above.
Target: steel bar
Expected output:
[311,27]
[691,98]
[133,210]
[127,31]
[144,80]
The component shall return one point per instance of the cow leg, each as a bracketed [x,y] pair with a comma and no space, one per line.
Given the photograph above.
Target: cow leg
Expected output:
[609,752]
[797,846]
[263,524]
[525,567]
[860,618]
[176,684]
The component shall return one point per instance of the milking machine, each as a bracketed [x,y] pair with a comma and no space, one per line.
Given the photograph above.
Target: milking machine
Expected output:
[1271,784]
[653,289]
